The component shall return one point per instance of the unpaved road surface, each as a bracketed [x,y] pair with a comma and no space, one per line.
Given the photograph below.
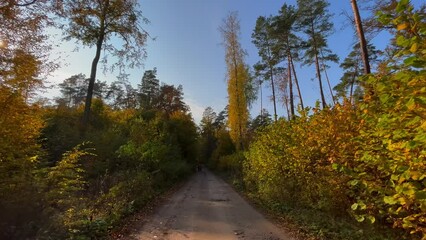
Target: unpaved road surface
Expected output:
[207,208]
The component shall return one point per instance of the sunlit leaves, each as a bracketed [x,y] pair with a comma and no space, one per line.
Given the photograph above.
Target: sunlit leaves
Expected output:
[237,79]
[391,141]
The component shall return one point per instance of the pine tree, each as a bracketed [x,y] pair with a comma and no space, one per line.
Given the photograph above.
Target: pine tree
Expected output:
[266,68]
[284,30]
[149,89]
[314,21]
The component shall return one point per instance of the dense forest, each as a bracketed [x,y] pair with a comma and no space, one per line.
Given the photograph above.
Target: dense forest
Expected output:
[76,168]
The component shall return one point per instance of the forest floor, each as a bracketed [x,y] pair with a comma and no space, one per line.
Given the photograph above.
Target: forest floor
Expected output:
[204,208]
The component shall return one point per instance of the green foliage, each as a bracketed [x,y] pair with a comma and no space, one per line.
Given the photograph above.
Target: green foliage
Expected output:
[368,159]
[354,68]
[388,178]
[126,195]
[56,190]
[224,147]
[149,89]
[292,161]
[68,207]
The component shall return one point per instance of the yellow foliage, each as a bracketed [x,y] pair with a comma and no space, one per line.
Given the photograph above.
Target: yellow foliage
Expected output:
[238,113]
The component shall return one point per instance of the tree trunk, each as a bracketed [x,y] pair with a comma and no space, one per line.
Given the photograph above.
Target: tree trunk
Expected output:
[286,107]
[328,80]
[351,92]
[324,104]
[240,130]
[273,95]
[272,84]
[261,100]
[362,41]
[92,79]
[297,82]
[290,87]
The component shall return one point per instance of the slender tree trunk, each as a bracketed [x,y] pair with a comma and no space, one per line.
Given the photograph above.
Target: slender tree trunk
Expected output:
[95,62]
[351,92]
[92,79]
[287,108]
[271,71]
[261,100]
[324,104]
[240,130]
[297,82]
[273,99]
[286,103]
[362,41]
[273,95]
[290,87]
[328,80]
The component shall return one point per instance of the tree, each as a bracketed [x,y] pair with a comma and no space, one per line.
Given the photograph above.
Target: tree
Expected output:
[283,89]
[23,46]
[314,21]
[170,100]
[149,89]
[260,121]
[23,64]
[221,119]
[284,26]
[208,134]
[265,44]
[353,67]
[237,77]
[362,41]
[74,90]
[102,24]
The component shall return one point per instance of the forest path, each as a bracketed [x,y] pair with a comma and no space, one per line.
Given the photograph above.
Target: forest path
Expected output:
[207,208]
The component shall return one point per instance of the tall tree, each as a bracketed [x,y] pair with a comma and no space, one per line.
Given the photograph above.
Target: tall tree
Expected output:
[284,30]
[262,39]
[237,77]
[314,21]
[102,24]
[283,89]
[362,41]
[149,88]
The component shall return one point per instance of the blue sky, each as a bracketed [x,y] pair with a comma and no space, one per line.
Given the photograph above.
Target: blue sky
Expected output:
[188,49]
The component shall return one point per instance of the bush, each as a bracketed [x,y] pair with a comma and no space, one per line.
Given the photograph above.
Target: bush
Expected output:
[292,161]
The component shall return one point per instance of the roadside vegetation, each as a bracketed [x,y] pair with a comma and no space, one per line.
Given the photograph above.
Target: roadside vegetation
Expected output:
[72,172]
[352,169]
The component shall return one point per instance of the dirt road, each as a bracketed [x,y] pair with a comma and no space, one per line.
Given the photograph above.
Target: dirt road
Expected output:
[207,208]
